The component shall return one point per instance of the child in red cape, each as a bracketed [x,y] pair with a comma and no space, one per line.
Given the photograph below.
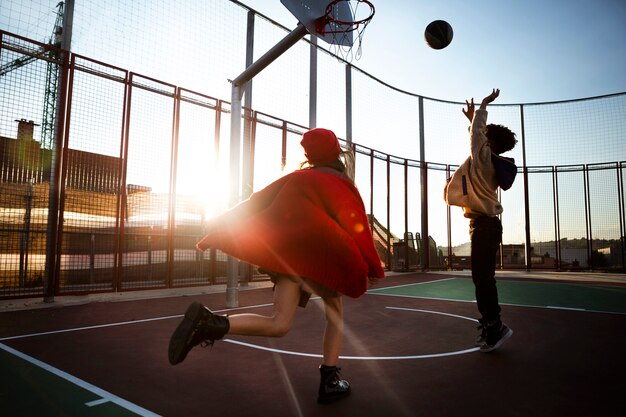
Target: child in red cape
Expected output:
[309,231]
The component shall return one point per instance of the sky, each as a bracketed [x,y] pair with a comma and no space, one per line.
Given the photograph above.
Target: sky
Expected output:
[533,50]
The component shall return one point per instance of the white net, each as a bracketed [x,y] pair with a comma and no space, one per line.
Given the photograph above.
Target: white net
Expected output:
[347,34]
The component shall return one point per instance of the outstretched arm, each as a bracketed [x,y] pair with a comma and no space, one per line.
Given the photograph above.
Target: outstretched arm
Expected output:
[479,122]
[490,98]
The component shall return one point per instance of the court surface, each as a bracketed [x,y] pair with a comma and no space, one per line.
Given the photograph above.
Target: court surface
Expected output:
[408,351]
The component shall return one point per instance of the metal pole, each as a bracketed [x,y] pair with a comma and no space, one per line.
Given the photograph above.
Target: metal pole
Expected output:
[271,55]
[50,272]
[25,237]
[449,224]
[620,196]
[389,243]
[232,290]
[169,276]
[349,104]
[247,171]
[407,255]
[313,83]
[247,104]
[424,189]
[588,215]
[501,250]
[68,23]
[526,203]
[557,230]
[372,189]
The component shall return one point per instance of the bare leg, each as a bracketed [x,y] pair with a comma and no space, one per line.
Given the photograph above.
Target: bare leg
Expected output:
[286,296]
[333,336]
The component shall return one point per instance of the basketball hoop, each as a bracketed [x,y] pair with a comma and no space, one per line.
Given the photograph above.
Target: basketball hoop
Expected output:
[333,24]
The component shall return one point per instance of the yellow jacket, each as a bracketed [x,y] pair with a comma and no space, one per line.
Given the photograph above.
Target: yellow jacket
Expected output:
[473,185]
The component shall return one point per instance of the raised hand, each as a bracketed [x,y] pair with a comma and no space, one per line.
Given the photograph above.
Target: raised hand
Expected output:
[490,98]
[469,113]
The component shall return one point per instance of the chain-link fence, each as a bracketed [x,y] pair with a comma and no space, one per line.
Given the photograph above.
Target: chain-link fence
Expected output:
[108,174]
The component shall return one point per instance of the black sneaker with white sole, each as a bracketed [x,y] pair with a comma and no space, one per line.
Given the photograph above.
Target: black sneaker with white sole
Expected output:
[496,338]
[482,335]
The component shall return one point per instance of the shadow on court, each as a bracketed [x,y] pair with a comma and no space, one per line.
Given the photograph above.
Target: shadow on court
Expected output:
[408,351]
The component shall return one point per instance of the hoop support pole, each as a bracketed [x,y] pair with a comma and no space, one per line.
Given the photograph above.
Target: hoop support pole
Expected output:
[232,281]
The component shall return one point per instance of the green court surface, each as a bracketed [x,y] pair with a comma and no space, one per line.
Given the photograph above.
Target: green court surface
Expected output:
[588,297]
[32,388]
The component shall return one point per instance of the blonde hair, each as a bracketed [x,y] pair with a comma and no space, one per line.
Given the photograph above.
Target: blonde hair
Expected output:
[348,159]
[345,162]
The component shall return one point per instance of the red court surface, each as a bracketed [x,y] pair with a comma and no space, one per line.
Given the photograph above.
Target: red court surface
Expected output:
[403,358]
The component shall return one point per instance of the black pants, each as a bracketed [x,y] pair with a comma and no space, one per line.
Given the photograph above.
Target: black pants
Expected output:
[485,237]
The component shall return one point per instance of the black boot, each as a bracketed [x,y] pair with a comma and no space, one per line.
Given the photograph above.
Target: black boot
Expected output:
[199,325]
[332,387]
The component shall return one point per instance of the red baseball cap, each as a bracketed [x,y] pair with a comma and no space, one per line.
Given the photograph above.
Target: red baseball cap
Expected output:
[320,146]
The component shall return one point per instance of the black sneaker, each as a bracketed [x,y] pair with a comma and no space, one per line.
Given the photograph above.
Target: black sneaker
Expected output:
[495,338]
[199,325]
[332,387]
[482,336]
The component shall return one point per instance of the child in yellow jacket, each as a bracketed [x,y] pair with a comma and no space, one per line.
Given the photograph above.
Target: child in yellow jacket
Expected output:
[474,188]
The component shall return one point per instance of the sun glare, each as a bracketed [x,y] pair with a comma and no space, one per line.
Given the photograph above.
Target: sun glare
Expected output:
[202,179]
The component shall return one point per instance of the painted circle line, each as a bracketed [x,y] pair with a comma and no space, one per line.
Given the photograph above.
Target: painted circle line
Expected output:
[371,358]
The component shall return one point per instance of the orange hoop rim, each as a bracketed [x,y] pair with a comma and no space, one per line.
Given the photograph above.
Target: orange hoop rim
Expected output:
[323,21]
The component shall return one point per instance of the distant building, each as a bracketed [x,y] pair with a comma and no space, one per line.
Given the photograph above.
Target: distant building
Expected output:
[24,161]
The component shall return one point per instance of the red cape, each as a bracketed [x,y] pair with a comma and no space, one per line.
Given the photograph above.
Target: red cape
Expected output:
[309,223]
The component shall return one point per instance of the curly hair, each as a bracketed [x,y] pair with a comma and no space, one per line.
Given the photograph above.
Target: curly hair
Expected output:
[501,138]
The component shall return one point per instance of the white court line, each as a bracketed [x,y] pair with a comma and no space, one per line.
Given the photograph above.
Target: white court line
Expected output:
[76,329]
[362,358]
[122,323]
[424,298]
[434,312]
[105,395]
[371,358]
[264,305]
[410,285]
[473,301]
[566,308]
[108,397]
[265,348]
[97,402]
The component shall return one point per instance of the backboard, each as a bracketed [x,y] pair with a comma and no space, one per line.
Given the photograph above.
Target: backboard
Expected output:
[309,11]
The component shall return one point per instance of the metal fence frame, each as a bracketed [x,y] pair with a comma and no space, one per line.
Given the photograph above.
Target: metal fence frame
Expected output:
[180,265]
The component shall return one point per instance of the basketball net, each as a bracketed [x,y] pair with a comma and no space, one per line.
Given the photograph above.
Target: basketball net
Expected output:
[344,31]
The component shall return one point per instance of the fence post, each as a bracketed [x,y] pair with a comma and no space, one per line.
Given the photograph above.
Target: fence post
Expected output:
[407,256]
[50,281]
[150,252]
[622,231]
[313,83]
[449,224]
[424,190]
[557,219]
[170,257]
[527,255]
[349,105]
[24,241]
[588,215]
[388,225]
[92,258]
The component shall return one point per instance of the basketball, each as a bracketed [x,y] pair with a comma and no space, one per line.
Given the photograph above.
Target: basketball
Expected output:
[438,34]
